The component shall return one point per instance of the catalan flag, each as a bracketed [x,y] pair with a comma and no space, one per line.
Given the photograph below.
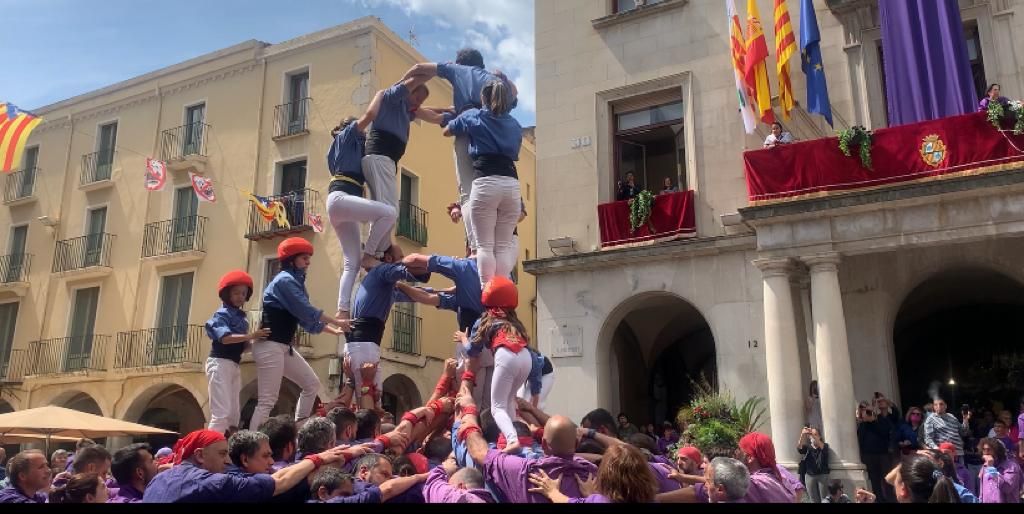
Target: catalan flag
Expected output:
[15,127]
[755,69]
[785,47]
[738,50]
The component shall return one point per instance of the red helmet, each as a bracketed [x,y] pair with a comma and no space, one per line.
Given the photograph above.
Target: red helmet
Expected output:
[293,246]
[500,293]
[235,278]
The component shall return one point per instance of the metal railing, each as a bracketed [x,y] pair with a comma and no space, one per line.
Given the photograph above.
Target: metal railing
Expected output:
[178,344]
[20,184]
[292,118]
[97,166]
[296,205]
[83,252]
[15,267]
[302,338]
[172,236]
[412,223]
[13,369]
[180,142]
[68,354]
[405,332]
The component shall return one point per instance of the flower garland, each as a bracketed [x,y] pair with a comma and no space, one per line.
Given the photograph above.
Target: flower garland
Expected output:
[714,422]
[857,136]
[1012,111]
[640,210]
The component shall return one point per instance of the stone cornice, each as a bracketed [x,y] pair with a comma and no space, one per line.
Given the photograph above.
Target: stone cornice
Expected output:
[775,267]
[828,261]
[630,256]
[224,73]
[637,13]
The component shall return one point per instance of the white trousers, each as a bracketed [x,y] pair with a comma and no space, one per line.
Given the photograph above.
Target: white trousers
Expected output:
[360,353]
[546,383]
[494,212]
[381,175]
[272,363]
[484,375]
[225,379]
[464,175]
[510,371]
[345,213]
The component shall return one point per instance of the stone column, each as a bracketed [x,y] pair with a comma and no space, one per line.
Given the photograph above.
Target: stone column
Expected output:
[835,383]
[785,397]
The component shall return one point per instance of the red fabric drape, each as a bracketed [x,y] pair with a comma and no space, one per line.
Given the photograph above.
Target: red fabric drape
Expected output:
[671,215]
[817,167]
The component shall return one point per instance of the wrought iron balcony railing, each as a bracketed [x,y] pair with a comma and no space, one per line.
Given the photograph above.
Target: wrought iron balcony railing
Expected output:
[292,118]
[187,140]
[296,205]
[12,370]
[412,223]
[15,267]
[20,185]
[69,354]
[180,344]
[405,332]
[83,252]
[97,166]
[172,236]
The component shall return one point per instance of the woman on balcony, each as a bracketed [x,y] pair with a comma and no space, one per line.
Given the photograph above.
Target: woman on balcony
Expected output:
[991,95]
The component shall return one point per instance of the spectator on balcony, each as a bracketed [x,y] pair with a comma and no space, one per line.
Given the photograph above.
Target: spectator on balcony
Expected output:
[228,329]
[777,137]
[669,187]
[627,189]
[991,95]
[285,307]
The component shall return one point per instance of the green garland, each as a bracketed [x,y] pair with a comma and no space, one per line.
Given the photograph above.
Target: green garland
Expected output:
[857,136]
[640,209]
[714,422]
[1012,111]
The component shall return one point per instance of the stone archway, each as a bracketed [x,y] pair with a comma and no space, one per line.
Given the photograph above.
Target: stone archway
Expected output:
[956,335]
[77,400]
[400,394]
[168,406]
[286,400]
[656,344]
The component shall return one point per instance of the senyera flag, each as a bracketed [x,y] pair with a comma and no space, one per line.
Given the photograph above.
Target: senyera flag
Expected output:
[15,127]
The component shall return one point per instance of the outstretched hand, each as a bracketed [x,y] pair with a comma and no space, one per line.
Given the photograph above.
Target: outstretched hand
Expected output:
[545,485]
[588,486]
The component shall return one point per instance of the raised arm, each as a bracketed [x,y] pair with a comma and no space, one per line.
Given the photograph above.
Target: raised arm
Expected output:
[371,112]
[419,295]
[430,116]
[428,69]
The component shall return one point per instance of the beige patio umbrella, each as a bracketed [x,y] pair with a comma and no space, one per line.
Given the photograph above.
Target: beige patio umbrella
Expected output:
[34,438]
[52,421]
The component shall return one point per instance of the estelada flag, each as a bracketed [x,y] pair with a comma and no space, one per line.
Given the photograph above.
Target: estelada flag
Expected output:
[15,127]
[156,174]
[203,187]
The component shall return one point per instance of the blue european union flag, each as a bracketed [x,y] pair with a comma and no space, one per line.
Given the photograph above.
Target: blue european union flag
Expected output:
[810,62]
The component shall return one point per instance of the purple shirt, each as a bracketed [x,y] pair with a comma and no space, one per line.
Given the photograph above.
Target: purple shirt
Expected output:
[437,490]
[14,495]
[186,483]
[126,494]
[765,487]
[370,494]
[665,484]
[510,475]
[594,498]
[1001,483]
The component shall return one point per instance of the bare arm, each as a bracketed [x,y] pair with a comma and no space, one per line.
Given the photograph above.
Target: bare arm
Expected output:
[418,295]
[428,69]
[430,115]
[371,112]
[416,260]
[241,338]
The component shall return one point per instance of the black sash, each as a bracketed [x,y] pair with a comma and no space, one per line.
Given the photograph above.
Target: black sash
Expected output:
[281,323]
[381,142]
[366,330]
[490,165]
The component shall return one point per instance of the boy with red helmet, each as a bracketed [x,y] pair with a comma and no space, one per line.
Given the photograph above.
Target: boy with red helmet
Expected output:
[228,328]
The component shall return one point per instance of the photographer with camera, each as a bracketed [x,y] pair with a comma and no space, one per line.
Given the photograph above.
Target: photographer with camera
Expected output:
[814,463]
[875,436]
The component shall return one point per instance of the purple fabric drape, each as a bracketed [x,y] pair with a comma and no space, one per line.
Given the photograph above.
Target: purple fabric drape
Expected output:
[927,72]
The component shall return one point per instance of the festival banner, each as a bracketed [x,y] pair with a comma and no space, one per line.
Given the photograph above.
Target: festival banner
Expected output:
[738,51]
[156,174]
[316,221]
[203,187]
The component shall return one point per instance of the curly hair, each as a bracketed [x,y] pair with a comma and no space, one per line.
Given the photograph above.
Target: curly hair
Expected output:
[625,477]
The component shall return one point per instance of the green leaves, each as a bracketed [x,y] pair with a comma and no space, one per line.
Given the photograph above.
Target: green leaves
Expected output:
[713,421]
[640,209]
[1012,111]
[860,137]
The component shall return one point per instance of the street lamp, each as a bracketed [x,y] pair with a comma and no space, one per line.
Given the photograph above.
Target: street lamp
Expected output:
[952,382]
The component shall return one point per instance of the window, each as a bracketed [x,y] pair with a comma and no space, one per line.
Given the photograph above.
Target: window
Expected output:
[172,318]
[186,210]
[974,55]
[629,5]
[96,223]
[105,153]
[8,318]
[273,267]
[28,177]
[12,269]
[298,90]
[405,329]
[293,185]
[83,328]
[881,73]
[649,140]
[412,221]
[195,116]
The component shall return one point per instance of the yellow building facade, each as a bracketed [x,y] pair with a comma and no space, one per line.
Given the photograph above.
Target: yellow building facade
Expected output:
[105,285]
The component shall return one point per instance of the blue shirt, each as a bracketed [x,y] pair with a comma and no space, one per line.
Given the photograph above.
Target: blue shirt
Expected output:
[467,82]
[346,152]
[463,272]
[394,115]
[536,371]
[377,294]
[186,483]
[288,291]
[225,321]
[488,133]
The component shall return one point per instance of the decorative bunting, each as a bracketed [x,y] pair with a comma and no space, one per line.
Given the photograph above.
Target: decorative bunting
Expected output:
[315,221]
[203,187]
[156,174]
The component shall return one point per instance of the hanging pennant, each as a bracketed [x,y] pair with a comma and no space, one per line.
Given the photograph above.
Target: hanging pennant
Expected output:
[203,187]
[315,221]
[156,174]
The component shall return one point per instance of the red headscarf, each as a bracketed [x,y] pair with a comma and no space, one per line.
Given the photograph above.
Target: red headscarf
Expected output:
[948,448]
[419,461]
[692,453]
[760,447]
[186,446]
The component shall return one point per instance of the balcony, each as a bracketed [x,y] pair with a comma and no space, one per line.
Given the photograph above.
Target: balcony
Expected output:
[175,241]
[20,187]
[181,344]
[672,217]
[97,170]
[185,148]
[12,370]
[291,119]
[296,205]
[84,257]
[405,332]
[14,270]
[68,354]
[412,223]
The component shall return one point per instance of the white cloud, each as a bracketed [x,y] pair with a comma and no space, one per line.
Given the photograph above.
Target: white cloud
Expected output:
[501,29]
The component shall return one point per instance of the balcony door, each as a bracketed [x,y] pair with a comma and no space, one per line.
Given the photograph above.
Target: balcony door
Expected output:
[185,219]
[293,186]
[28,173]
[195,116]
[13,270]
[105,155]
[83,328]
[96,225]
[8,318]
[171,334]
[298,89]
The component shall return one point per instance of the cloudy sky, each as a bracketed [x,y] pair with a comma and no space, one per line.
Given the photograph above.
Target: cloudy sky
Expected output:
[55,49]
